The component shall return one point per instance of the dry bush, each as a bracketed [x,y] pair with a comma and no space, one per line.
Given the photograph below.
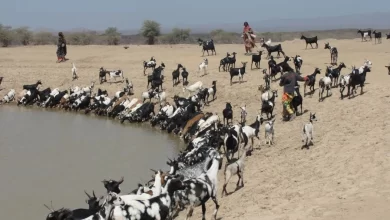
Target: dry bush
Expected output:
[44,38]
[23,36]
[81,38]
[7,35]
[177,36]
[223,37]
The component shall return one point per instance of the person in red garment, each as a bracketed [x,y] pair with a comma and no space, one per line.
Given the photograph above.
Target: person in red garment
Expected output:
[248,36]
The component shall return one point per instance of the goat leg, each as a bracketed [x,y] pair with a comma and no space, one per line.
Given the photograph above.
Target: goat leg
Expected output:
[216,207]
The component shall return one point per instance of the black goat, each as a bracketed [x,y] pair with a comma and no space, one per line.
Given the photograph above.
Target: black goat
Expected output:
[256,58]
[365,32]
[333,53]
[206,92]
[206,46]
[223,63]
[378,37]
[156,79]
[388,69]
[387,36]
[176,74]
[297,100]
[335,73]
[268,106]
[311,81]
[227,113]
[238,72]
[298,63]
[310,40]
[274,48]
[357,79]
[231,61]
[271,62]
[32,86]
[285,66]
[184,75]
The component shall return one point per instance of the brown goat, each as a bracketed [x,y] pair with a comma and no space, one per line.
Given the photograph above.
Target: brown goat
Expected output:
[190,123]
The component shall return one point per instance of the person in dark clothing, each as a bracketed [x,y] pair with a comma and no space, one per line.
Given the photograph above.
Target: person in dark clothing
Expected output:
[61,48]
[289,81]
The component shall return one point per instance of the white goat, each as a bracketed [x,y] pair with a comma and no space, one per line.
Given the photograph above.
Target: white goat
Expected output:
[325,83]
[235,168]
[252,131]
[168,109]
[212,120]
[161,97]
[366,63]
[308,131]
[203,66]
[88,89]
[193,88]
[148,95]
[244,113]
[269,132]
[9,97]
[74,72]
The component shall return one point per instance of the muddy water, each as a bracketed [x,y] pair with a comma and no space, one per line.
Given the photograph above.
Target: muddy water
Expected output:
[46,155]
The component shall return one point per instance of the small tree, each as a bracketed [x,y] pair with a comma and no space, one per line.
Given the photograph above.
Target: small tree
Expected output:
[112,36]
[81,38]
[24,35]
[6,35]
[150,30]
[43,38]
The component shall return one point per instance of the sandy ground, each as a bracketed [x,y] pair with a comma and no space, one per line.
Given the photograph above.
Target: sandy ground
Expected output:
[345,175]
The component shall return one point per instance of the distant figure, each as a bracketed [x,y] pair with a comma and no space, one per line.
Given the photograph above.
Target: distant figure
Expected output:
[249,38]
[61,48]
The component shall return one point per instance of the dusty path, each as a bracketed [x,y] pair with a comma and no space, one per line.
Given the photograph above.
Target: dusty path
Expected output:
[345,175]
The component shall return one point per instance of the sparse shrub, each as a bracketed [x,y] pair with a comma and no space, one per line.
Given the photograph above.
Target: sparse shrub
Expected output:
[44,38]
[82,38]
[112,36]
[150,30]
[224,37]
[177,36]
[6,35]
[23,35]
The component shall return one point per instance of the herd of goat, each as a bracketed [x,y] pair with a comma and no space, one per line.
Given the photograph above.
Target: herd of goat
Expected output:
[193,176]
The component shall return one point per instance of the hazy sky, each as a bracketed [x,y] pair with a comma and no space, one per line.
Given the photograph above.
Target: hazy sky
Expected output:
[128,14]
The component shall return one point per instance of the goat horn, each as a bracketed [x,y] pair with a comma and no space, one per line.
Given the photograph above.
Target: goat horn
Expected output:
[48,207]
[93,193]
[87,194]
[51,204]
[154,170]
[121,180]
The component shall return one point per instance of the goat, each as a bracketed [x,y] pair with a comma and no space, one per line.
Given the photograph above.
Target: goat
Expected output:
[366,63]
[200,189]
[238,72]
[193,88]
[235,168]
[335,73]
[206,46]
[267,79]
[365,34]
[148,95]
[310,40]
[211,91]
[113,185]
[113,74]
[378,36]
[272,49]
[243,114]
[224,63]
[325,83]
[150,64]
[184,75]
[333,53]
[88,89]
[269,105]
[298,63]
[231,62]
[227,113]
[33,86]
[256,58]
[203,66]
[252,131]
[297,101]
[388,69]
[269,132]
[308,131]
[74,72]
[311,81]
[176,74]
[357,79]
[190,123]
[9,97]
[388,36]
[271,63]
[129,87]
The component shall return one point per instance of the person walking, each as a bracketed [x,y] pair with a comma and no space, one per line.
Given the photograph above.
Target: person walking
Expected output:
[61,48]
[249,38]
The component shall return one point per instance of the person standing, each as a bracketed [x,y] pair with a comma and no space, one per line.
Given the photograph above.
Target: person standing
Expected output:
[248,36]
[61,48]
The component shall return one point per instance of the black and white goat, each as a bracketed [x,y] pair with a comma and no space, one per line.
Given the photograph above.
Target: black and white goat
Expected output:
[206,46]
[9,97]
[325,83]
[333,53]
[231,61]
[365,34]
[150,64]
[238,72]
[308,131]
[113,74]
[336,72]
[32,86]
[298,61]
[129,88]
[223,63]
[256,58]
[357,79]
[252,131]
[268,106]
[311,41]
[267,80]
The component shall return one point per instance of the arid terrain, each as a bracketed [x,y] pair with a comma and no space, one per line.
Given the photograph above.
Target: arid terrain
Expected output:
[345,175]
